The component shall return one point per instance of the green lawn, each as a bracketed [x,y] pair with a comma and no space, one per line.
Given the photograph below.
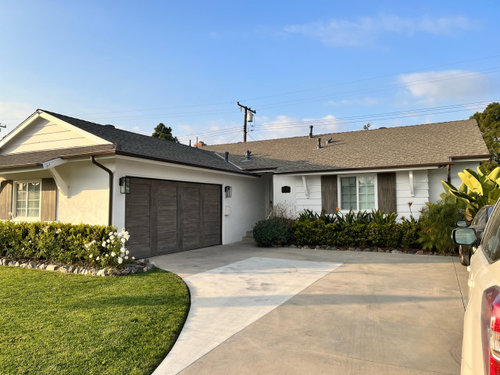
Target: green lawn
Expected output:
[54,323]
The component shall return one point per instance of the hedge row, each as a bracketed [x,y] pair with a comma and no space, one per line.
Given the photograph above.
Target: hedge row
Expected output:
[317,232]
[91,245]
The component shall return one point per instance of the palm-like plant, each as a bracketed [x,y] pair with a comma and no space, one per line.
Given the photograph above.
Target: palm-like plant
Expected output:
[477,189]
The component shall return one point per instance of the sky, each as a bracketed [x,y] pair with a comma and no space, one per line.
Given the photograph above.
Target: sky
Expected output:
[335,65]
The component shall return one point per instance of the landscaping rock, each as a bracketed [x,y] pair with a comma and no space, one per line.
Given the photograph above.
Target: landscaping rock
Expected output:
[396,252]
[42,266]
[293,246]
[52,267]
[15,264]
[103,272]
[31,265]
[113,272]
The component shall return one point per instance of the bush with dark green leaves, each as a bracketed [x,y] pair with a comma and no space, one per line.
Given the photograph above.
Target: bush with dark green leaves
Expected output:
[275,231]
[437,220]
[91,245]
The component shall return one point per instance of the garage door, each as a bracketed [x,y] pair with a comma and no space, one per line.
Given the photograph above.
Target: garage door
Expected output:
[168,216]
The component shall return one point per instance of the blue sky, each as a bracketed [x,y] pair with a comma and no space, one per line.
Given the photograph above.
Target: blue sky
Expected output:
[333,64]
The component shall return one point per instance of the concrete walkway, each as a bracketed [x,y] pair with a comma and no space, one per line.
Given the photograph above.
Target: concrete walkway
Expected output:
[296,311]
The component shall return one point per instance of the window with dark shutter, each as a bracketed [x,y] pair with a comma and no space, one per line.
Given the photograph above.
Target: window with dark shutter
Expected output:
[386,186]
[329,201]
[49,200]
[6,200]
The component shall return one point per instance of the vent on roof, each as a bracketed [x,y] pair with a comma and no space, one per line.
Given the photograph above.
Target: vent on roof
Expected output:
[247,155]
[329,140]
[109,126]
[319,143]
[310,131]
[226,156]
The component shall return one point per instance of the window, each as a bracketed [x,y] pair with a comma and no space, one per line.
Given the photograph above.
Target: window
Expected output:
[27,199]
[357,193]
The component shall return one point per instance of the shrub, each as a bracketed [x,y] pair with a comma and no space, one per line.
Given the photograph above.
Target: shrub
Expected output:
[437,220]
[366,229]
[275,231]
[92,245]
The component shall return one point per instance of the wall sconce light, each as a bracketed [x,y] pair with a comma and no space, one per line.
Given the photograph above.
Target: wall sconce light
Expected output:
[124,185]
[229,191]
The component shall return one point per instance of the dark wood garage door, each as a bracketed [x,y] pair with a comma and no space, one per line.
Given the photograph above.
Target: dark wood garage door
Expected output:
[168,216]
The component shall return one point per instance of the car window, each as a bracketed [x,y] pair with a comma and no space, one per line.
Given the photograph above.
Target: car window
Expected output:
[481,218]
[491,238]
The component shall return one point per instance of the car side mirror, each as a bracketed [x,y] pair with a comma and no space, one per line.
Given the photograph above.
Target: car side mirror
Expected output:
[462,224]
[464,236]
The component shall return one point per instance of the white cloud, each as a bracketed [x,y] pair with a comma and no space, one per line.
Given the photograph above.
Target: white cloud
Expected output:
[446,85]
[13,113]
[285,126]
[365,30]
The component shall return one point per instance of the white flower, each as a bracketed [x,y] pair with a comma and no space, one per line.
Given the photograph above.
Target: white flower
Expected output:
[127,252]
[113,254]
[97,258]
[120,260]
[112,238]
[123,240]
[107,255]
[103,244]
[90,256]
[133,258]
[107,241]
[110,233]
[58,230]
[126,257]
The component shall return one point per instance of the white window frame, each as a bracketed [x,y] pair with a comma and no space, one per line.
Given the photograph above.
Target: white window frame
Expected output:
[14,201]
[339,190]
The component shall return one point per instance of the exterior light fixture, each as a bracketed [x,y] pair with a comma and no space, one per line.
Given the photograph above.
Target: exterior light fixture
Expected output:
[229,191]
[124,185]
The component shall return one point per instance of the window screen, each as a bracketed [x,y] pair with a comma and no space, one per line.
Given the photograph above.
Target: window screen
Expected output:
[348,199]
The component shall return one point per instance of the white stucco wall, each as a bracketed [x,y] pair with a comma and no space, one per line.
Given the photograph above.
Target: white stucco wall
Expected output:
[87,199]
[240,212]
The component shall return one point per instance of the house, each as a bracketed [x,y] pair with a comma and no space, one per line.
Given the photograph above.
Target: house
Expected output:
[173,197]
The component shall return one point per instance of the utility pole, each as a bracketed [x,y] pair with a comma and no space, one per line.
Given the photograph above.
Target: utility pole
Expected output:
[247,109]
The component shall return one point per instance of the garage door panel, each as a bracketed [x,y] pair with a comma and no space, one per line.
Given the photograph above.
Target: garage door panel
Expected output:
[168,216]
[167,227]
[137,218]
[190,211]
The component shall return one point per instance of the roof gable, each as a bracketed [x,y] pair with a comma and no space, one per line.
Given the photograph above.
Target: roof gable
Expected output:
[42,131]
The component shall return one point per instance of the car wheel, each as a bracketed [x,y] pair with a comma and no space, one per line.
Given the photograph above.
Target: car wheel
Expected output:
[464,255]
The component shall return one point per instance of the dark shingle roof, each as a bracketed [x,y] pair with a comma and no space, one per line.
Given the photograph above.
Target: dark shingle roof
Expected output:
[404,146]
[138,145]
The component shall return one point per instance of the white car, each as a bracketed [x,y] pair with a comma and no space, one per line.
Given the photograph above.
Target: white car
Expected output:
[481,339]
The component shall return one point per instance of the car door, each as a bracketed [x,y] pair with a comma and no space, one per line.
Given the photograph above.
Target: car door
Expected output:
[484,273]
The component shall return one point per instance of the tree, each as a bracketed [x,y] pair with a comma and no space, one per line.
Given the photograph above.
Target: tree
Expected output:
[489,124]
[164,132]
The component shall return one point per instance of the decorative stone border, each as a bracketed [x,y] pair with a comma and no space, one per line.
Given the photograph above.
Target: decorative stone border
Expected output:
[141,266]
[368,249]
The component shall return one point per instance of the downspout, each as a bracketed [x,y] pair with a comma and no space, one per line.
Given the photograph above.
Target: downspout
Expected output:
[110,173]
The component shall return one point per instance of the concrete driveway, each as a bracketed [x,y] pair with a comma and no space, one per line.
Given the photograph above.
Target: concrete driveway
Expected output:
[293,311]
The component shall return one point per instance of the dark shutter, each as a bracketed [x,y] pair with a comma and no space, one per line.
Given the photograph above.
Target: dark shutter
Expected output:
[49,200]
[329,202]
[386,183]
[5,199]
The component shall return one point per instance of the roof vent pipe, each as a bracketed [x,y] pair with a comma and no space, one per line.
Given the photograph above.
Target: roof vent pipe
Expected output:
[310,131]
[319,143]
[226,156]
[247,156]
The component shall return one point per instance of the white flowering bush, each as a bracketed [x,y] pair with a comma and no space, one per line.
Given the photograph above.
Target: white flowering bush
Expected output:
[111,252]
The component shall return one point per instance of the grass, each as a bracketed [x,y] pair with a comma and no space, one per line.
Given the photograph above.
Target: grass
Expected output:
[54,323]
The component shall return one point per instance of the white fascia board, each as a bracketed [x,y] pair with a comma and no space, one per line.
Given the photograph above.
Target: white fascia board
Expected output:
[168,164]
[357,171]
[456,161]
[15,171]
[19,128]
